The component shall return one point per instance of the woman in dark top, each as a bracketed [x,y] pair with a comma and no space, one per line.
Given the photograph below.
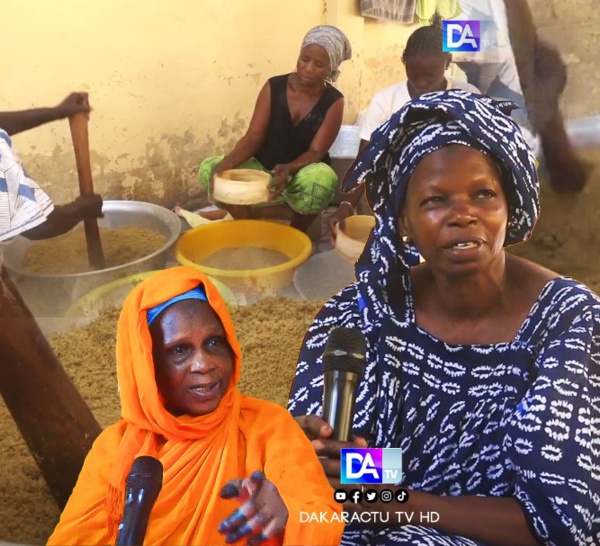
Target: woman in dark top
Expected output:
[296,119]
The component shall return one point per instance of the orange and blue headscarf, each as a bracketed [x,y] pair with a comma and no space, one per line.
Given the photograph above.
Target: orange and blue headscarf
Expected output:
[193,294]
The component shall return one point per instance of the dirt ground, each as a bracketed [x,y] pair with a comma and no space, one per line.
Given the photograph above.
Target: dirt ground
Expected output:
[566,237]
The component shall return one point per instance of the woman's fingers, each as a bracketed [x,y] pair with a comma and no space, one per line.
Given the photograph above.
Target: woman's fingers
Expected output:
[238,523]
[331,448]
[329,452]
[253,483]
[239,518]
[254,526]
[280,178]
[314,427]
[277,188]
[231,490]
[274,528]
[331,467]
[262,516]
[257,539]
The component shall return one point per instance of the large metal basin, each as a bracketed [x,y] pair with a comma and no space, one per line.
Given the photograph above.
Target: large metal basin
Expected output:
[51,295]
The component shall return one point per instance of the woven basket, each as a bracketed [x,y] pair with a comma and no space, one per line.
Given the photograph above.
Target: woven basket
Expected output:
[351,239]
[242,187]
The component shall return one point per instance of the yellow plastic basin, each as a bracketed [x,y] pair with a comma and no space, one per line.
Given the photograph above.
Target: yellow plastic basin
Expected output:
[197,244]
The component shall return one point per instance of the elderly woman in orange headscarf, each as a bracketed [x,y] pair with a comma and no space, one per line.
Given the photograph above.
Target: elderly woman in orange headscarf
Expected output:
[235,468]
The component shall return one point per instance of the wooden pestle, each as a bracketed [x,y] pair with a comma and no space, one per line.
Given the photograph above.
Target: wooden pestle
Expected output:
[53,418]
[79,134]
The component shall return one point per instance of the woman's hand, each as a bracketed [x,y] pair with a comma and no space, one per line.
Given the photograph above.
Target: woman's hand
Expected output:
[319,433]
[262,515]
[88,206]
[344,211]
[65,217]
[75,103]
[281,174]
[224,165]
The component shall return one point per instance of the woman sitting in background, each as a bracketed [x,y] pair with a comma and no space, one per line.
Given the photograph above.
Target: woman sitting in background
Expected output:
[178,364]
[483,367]
[426,66]
[296,119]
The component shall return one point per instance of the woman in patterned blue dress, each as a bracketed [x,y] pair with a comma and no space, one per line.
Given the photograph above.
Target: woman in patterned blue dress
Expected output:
[481,366]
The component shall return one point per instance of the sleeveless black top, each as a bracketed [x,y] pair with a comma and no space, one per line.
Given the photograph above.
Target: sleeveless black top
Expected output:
[285,141]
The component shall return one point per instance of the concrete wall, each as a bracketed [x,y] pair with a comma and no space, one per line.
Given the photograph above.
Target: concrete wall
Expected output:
[171,81]
[378,47]
[574,27]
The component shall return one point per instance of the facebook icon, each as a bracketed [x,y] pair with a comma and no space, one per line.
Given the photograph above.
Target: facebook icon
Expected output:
[461,36]
[371,465]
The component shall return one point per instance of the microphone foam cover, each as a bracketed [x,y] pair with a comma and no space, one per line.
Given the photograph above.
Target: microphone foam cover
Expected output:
[345,351]
[146,473]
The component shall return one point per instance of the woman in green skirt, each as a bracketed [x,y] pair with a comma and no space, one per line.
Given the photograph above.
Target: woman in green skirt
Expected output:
[296,119]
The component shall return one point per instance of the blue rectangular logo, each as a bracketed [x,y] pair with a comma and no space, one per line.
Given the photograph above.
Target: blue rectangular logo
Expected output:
[461,36]
[371,465]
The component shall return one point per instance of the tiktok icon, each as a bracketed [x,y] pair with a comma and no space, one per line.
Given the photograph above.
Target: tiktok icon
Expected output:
[401,496]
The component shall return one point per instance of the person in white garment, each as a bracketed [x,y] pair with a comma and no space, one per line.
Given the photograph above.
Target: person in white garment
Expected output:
[426,70]
[25,208]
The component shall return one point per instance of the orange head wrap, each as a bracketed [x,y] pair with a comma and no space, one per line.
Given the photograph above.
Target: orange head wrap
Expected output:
[141,403]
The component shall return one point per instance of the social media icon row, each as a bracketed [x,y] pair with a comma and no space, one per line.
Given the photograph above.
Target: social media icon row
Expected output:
[370,495]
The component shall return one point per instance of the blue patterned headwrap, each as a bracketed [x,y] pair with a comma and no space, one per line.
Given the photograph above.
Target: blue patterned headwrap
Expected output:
[420,127]
[193,294]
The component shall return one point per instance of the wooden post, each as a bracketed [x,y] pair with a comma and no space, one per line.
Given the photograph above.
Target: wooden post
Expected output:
[53,418]
[79,134]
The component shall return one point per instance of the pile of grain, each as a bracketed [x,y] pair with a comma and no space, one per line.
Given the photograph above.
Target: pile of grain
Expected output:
[249,257]
[68,253]
[270,334]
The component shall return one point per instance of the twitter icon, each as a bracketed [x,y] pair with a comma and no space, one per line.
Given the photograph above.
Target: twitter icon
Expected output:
[370,495]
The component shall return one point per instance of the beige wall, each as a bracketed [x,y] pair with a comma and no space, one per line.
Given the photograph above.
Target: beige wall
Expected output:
[171,81]
[574,28]
[376,63]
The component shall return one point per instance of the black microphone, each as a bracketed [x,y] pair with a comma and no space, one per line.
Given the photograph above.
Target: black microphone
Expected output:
[142,487]
[343,367]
